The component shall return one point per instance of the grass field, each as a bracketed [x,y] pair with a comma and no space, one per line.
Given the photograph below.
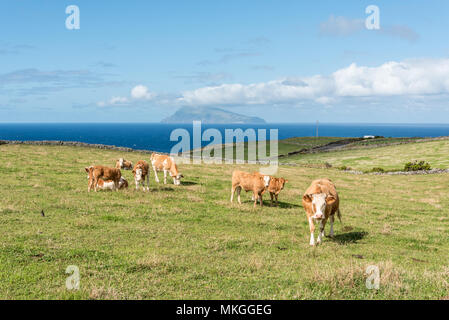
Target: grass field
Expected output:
[388,157]
[190,242]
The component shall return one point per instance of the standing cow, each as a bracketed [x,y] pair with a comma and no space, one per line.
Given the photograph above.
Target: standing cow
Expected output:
[275,187]
[141,173]
[254,182]
[165,163]
[321,202]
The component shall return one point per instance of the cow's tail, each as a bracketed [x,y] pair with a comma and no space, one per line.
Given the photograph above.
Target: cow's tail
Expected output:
[339,215]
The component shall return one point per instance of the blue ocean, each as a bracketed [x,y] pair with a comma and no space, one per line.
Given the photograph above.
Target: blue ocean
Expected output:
[156,136]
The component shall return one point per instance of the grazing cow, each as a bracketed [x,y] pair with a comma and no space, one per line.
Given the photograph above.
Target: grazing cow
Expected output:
[141,172]
[161,162]
[105,173]
[123,164]
[275,187]
[109,184]
[254,182]
[321,202]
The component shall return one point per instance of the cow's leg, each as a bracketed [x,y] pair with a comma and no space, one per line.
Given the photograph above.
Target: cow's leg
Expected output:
[321,234]
[232,193]
[148,181]
[165,176]
[331,220]
[261,200]
[312,230]
[239,189]
[137,184]
[155,174]
[276,199]
[95,184]
[271,200]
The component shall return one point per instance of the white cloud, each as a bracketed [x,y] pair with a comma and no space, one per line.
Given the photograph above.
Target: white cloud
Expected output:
[138,93]
[407,78]
[141,92]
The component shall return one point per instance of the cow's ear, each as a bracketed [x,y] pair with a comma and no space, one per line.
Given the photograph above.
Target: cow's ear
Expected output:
[330,199]
[307,198]
[87,169]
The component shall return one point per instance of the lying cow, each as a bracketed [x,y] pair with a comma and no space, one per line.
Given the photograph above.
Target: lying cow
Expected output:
[123,164]
[141,172]
[275,187]
[101,172]
[165,163]
[109,184]
[321,202]
[254,182]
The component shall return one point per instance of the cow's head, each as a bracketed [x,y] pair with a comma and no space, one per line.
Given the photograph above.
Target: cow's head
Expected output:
[177,179]
[319,202]
[120,163]
[89,171]
[138,172]
[266,181]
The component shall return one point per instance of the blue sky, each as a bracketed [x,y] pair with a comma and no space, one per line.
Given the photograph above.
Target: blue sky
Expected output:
[286,61]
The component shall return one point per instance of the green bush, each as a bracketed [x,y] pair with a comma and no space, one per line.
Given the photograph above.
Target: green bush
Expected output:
[344,168]
[417,166]
[377,169]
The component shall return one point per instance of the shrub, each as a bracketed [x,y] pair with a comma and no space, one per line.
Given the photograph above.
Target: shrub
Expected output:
[344,168]
[377,169]
[417,166]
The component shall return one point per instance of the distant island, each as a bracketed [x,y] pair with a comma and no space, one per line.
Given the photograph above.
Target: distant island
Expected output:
[209,115]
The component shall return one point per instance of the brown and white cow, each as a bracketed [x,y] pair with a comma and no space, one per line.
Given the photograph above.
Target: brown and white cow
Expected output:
[141,172]
[109,184]
[102,172]
[321,202]
[165,163]
[275,187]
[254,182]
[123,164]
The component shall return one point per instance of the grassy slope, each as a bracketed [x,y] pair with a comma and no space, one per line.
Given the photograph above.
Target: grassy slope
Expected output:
[190,242]
[389,157]
[284,146]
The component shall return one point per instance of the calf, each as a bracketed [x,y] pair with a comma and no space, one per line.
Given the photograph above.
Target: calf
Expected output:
[109,184]
[254,182]
[141,172]
[123,164]
[321,202]
[105,173]
[275,187]
[161,162]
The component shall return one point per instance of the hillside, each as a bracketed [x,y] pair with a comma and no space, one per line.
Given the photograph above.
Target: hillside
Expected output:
[190,242]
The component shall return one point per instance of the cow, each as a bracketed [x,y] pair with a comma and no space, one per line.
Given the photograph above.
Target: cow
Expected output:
[102,172]
[321,202]
[123,164]
[109,184]
[275,187]
[254,182]
[141,172]
[165,163]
